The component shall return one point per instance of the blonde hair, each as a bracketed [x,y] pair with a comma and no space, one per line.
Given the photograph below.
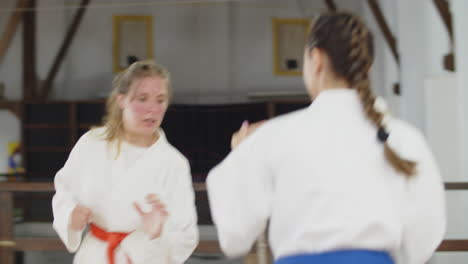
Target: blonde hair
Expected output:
[348,44]
[121,85]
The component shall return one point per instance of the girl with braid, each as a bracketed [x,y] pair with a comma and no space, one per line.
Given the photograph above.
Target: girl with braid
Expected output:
[337,182]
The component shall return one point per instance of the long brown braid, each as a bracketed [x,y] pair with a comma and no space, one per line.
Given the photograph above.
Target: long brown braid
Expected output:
[348,43]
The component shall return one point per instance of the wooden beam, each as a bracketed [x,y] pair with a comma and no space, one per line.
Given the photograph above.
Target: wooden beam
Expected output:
[11,27]
[449,62]
[456,186]
[29,51]
[38,244]
[197,186]
[27,187]
[331,5]
[378,15]
[453,245]
[49,187]
[47,86]
[444,12]
[443,9]
[12,106]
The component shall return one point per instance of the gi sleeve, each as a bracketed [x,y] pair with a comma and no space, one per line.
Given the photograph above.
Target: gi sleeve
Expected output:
[240,192]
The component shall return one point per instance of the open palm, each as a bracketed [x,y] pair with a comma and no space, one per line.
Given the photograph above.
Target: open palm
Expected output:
[154,220]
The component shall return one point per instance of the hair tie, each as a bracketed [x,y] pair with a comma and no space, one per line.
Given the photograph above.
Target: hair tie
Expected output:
[382,134]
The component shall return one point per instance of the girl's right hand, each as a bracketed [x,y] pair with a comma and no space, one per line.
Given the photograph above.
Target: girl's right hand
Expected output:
[80,217]
[245,130]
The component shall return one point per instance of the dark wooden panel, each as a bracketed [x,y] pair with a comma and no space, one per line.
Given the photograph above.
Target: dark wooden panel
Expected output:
[44,137]
[90,113]
[287,107]
[46,114]
[45,163]
[203,132]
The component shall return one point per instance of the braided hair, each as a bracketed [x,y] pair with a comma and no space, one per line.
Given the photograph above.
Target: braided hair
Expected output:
[348,43]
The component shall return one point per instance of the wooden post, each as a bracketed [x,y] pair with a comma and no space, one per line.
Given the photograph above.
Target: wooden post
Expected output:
[270,109]
[6,228]
[29,51]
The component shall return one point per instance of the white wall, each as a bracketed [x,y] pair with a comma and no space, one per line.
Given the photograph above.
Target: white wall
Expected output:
[215,52]
[443,128]
[411,39]
[460,20]
[177,44]
[385,71]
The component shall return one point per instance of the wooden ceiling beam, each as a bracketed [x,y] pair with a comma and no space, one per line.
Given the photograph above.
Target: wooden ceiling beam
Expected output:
[443,9]
[47,86]
[11,27]
[13,106]
[331,5]
[384,28]
[444,12]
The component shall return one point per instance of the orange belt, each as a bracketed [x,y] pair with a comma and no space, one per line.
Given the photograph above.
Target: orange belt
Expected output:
[113,240]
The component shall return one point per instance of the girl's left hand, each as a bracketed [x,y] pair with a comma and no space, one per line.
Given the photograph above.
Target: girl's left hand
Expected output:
[154,220]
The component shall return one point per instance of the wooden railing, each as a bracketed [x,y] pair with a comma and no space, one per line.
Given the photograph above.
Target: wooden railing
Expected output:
[9,243]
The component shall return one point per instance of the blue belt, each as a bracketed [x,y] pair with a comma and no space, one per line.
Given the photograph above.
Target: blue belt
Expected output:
[339,257]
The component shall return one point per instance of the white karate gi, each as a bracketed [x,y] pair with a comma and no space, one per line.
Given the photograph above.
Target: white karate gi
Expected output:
[320,176]
[93,177]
